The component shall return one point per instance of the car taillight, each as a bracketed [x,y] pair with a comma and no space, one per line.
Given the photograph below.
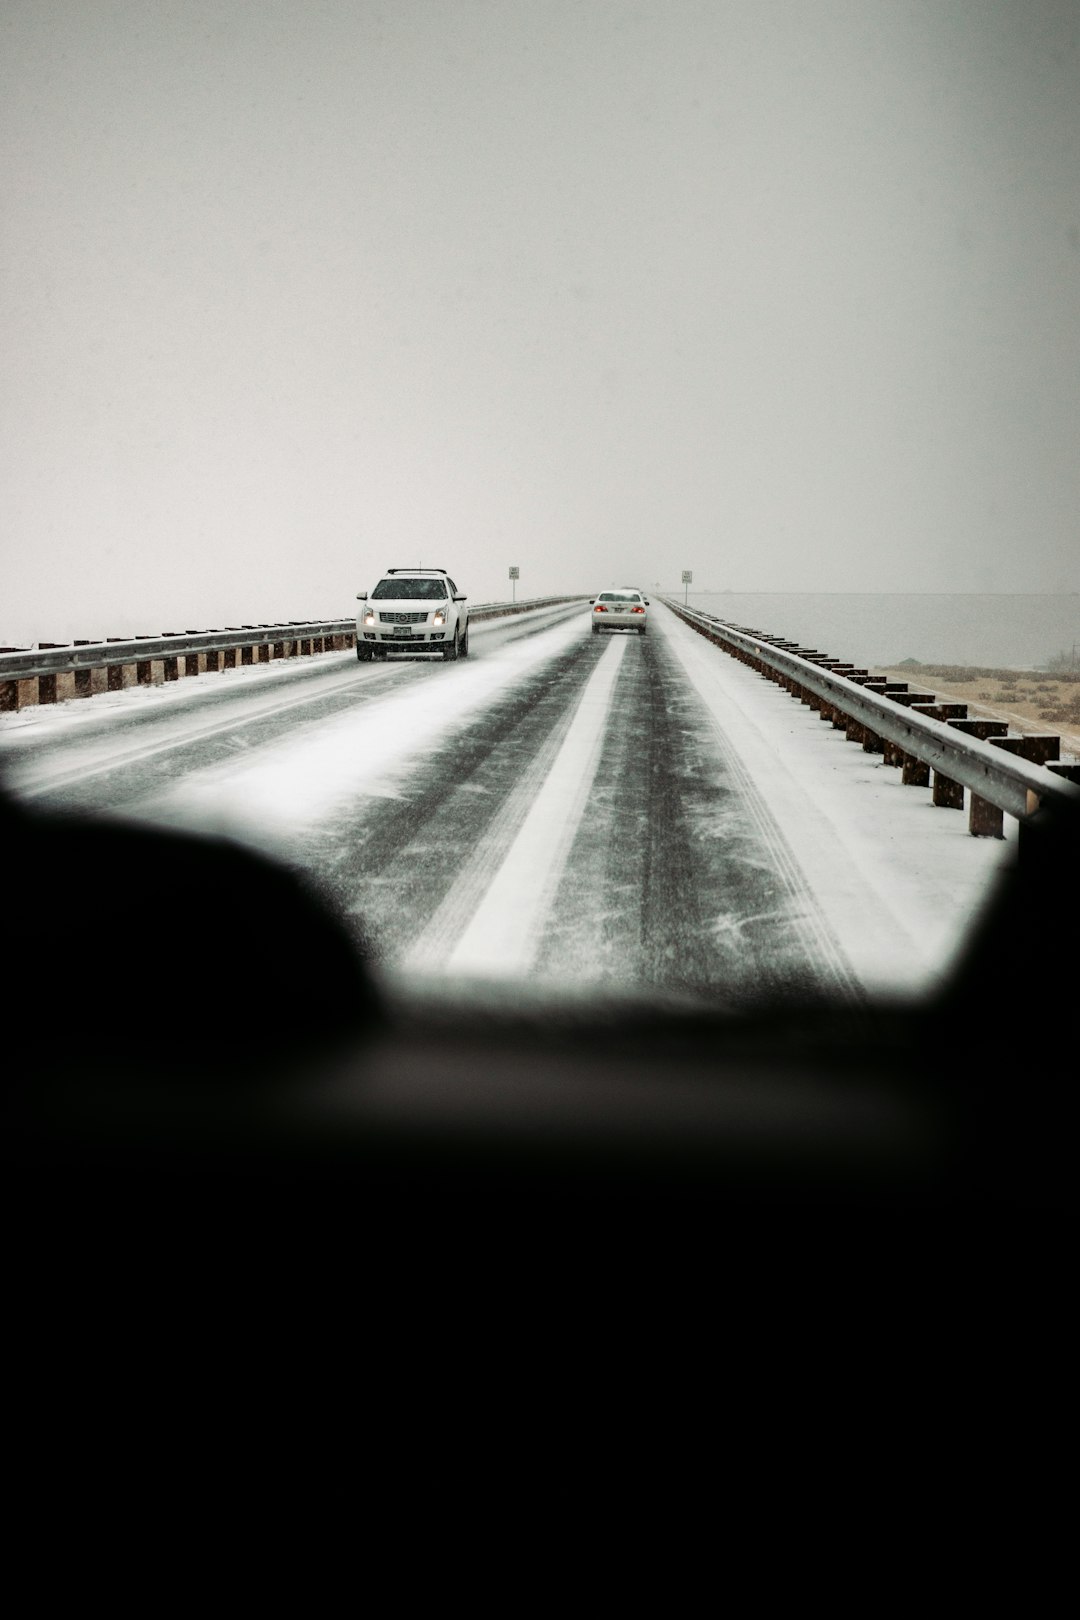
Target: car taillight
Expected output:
[599,609]
[637,610]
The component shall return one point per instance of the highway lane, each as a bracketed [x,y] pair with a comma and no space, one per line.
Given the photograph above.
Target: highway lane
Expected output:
[109,753]
[560,809]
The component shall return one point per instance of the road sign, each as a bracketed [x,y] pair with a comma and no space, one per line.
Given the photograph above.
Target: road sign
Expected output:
[687,578]
[515,575]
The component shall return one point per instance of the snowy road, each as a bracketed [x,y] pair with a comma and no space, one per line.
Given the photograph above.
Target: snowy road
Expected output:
[560,808]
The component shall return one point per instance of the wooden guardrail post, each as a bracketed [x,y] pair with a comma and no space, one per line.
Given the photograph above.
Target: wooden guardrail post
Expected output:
[946,794]
[871,742]
[120,676]
[1042,748]
[827,711]
[23,692]
[985,820]
[839,718]
[913,772]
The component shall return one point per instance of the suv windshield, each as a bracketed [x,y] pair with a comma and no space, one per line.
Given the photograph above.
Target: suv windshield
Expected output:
[409,590]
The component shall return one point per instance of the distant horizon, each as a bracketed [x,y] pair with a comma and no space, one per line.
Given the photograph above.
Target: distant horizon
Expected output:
[743,591]
[1064,631]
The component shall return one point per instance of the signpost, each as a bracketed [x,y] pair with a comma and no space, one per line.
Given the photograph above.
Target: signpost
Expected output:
[515,575]
[687,579]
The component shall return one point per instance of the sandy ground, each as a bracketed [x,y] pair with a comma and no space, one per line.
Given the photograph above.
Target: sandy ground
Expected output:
[1022,700]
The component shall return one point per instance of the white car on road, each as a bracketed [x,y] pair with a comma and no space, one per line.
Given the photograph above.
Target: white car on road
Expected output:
[620,610]
[412,610]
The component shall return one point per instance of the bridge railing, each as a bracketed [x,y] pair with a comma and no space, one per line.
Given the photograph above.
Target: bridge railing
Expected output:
[54,671]
[1011,775]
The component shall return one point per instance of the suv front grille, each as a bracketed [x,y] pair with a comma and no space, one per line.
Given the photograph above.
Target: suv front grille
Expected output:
[402,618]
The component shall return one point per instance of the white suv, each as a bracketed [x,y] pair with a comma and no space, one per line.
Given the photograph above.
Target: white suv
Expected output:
[412,610]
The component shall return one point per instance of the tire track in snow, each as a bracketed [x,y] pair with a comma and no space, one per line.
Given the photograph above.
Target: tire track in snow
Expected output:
[503,935]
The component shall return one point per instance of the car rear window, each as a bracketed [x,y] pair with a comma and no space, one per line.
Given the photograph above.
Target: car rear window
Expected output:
[409,590]
[619,596]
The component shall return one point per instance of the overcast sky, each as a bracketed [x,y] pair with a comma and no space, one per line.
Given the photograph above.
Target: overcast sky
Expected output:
[783,291]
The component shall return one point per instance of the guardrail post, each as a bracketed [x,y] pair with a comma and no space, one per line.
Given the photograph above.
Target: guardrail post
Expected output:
[947,794]
[20,693]
[871,742]
[914,772]
[892,753]
[1040,749]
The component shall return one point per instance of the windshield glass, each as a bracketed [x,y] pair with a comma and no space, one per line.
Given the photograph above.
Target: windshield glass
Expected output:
[772,307]
[409,590]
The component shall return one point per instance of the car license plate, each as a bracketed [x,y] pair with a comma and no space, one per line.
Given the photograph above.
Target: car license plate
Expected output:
[402,630]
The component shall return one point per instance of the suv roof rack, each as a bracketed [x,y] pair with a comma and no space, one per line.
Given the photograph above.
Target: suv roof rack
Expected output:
[416,570]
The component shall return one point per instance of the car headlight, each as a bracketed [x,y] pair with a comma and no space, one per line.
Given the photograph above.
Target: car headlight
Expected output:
[439,616]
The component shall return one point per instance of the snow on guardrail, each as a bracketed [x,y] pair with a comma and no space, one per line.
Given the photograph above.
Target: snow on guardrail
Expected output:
[1004,773]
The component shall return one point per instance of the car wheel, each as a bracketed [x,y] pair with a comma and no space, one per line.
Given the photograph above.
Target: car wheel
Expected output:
[463,650]
[364,654]
[451,651]
[641,632]
[596,629]
[379,652]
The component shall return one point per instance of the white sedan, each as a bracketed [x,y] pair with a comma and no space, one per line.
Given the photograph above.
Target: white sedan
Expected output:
[620,610]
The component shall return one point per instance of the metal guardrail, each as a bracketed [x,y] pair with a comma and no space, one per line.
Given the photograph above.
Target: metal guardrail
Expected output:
[53,659]
[82,668]
[884,723]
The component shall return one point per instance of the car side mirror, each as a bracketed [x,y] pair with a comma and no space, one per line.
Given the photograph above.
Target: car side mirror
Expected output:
[645,599]
[461,598]
[361,596]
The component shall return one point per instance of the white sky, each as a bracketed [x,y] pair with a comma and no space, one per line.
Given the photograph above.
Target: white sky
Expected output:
[784,291]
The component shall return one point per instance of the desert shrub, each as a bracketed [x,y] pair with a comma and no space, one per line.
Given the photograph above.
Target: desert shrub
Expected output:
[1063,714]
